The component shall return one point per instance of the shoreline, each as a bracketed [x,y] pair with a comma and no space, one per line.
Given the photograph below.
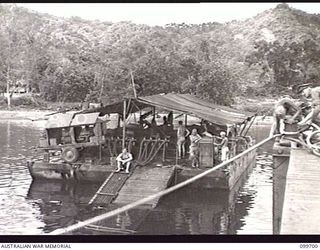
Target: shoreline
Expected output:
[22,114]
[29,114]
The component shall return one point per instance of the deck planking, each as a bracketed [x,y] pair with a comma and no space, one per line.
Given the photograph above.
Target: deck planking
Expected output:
[144,182]
[109,189]
[302,194]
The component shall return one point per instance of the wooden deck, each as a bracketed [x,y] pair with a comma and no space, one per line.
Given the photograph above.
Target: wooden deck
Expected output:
[302,194]
[109,189]
[144,182]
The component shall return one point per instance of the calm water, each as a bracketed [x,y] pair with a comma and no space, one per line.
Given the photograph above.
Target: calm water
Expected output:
[33,207]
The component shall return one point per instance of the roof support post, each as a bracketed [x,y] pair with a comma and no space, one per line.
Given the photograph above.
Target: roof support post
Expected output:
[124,123]
[251,122]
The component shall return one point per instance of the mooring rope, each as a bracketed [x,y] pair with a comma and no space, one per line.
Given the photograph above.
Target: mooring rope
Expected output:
[132,205]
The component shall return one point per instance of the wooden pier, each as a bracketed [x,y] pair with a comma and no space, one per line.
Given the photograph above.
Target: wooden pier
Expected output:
[302,194]
[144,182]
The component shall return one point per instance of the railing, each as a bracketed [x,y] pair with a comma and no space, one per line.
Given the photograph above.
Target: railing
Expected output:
[125,208]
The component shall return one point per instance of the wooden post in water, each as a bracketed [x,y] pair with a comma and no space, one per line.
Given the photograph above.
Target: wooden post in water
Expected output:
[124,123]
[281,157]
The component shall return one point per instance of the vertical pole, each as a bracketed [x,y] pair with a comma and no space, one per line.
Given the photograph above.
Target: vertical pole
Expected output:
[8,95]
[133,85]
[164,152]
[176,155]
[100,151]
[251,122]
[124,123]
[243,128]
[213,152]
[186,146]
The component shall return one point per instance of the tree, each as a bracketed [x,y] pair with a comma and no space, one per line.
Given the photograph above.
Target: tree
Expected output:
[284,64]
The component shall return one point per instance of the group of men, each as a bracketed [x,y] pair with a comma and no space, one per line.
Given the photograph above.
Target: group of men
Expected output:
[183,133]
[125,158]
[288,108]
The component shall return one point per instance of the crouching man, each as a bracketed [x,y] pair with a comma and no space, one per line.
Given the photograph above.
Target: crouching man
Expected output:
[314,93]
[284,107]
[124,160]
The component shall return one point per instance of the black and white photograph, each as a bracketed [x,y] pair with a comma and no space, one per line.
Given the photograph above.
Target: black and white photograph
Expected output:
[149,119]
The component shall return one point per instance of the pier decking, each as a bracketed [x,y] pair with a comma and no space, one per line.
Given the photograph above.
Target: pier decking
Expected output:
[302,194]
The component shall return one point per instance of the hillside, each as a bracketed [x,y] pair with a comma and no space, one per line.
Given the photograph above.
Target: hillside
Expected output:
[70,60]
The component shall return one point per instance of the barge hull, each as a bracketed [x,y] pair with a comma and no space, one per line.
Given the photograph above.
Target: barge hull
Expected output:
[224,178]
[68,172]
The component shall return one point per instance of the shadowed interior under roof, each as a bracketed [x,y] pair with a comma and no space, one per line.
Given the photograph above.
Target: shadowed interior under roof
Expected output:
[184,103]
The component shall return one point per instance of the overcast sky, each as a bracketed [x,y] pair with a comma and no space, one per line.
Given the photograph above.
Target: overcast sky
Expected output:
[161,14]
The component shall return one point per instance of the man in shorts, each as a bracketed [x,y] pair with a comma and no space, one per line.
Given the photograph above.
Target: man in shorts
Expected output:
[194,147]
[182,133]
[124,159]
[224,146]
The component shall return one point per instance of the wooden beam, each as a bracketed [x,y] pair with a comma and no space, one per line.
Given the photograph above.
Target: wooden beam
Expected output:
[124,123]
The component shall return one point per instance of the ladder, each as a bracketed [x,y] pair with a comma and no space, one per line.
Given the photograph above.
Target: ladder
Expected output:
[110,188]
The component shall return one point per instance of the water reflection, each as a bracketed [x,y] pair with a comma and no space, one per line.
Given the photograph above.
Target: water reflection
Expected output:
[197,211]
[59,202]
[18,214]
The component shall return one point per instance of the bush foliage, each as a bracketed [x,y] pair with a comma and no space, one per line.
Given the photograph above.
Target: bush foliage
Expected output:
[72,60]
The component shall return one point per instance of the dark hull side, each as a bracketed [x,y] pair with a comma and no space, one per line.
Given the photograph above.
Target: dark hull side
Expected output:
[224,178]
[86,172]
[66,172]
[281,158]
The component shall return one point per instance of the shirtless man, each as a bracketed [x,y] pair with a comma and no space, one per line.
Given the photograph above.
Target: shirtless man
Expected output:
[124,158]
[285,106]
[314,93]
[182,133]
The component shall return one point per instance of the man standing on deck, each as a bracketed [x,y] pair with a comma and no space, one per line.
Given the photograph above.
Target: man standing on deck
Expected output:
[194,147]
[182,133]
[224,146]
[124,158]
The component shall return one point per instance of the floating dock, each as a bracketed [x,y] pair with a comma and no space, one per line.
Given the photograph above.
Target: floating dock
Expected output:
[302,194]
